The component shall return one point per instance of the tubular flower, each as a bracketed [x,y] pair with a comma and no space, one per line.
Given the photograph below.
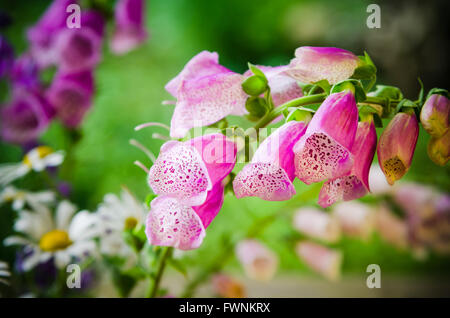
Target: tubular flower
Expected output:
[312,64]
[71,96]
[42,35]
[206,92]
[435,115]
[324,151]
[439,149]
[80,48]
[396,147]
[325,261]
[173,223]
[356,184]
[26,117]
[271,172]
[258,261]
[356,219]
[130,26]
[317,224]
[188,170]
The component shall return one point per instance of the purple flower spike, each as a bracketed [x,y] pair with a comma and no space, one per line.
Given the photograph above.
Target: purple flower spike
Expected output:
[42,35]
[6,57]
[71,96]
[324,151]
[171,223]
[206,92]
[356,184]
[130,26]
[25,72]
[26,117]
[270,174]
[312,64]
[396,146]
[188,170]
[80,49]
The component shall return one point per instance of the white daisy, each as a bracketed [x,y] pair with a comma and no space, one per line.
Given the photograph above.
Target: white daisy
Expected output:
[4,272]
[64,237]
[20,197]
[116,215]
[36,159]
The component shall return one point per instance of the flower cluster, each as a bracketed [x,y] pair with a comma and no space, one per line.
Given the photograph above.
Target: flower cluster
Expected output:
[74,52]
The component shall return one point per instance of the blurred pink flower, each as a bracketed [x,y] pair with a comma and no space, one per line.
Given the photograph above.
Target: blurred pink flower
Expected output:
[271,172]
[377,181]
[25,73]
[324,151]
[227,286]
[435,115]
[312,64]
[71,96]
[317,224]
[258,261]
[188,170]
[206,92]
[391,228]
[321,259]
[130,26]
[396,146]
[356,184]
[355,219]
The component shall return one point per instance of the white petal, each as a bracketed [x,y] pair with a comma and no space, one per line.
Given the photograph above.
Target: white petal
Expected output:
[64,213]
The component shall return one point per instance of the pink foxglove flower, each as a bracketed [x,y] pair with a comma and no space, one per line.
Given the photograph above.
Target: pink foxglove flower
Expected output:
[71,96]
[130,26]
[42,35]
[206,92]
[321,259]
[26,117]
[396,146]
[324,151]
[356,184]
[228,287]
[356,219]
[173,223]
[435,115]
[317,224]
[6,57]
[188,170]
[439,149]
[312,64]
[391,228]
[270,174]
[258,261]
[80,48]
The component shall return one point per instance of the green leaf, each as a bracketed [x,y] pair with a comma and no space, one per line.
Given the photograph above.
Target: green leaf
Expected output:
[439,91]
[256,71]
[255,85]
[324,85]
[124,283]
[366,68]
[351,84]
[149,198]
[404,105]
[136,272]
[387,91]
[299,114]
[178,266]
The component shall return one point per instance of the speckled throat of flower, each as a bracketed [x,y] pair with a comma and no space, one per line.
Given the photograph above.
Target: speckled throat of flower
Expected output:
[55,240]
[42,151]
[394,169]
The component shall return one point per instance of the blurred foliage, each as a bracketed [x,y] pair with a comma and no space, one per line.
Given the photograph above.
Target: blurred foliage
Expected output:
[130,89]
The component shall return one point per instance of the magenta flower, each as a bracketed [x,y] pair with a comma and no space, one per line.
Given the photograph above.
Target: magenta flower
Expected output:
[71,96]
[356,184]
[173,223]
[270,174]
[206,92]
[25,72]
[396,146]
[188,170]
[80,49]
[435,115]
[26,117]
[6,57]
[324,151]
[130,26]
[42,35]
[312,64]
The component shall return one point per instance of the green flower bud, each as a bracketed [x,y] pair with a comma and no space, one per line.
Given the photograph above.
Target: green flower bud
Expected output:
[439,149]
[255,85]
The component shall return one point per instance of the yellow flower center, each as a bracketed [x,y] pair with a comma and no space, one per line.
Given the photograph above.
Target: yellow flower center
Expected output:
[130,223]
[394,169]
[54,240]
[42,152]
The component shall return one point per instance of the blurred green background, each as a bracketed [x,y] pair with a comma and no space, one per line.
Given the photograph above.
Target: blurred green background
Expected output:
[412,42]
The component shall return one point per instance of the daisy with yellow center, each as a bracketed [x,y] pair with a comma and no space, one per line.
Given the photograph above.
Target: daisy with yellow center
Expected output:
[117,214]
[65,237]
[36,159]
[19,198]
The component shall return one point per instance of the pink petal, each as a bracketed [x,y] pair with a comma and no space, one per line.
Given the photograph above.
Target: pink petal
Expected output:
[170,223]
[180,172]
[213,203]
[312,64]
[206,100]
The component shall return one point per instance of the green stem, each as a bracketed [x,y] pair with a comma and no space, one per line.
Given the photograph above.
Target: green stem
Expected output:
[154,286]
